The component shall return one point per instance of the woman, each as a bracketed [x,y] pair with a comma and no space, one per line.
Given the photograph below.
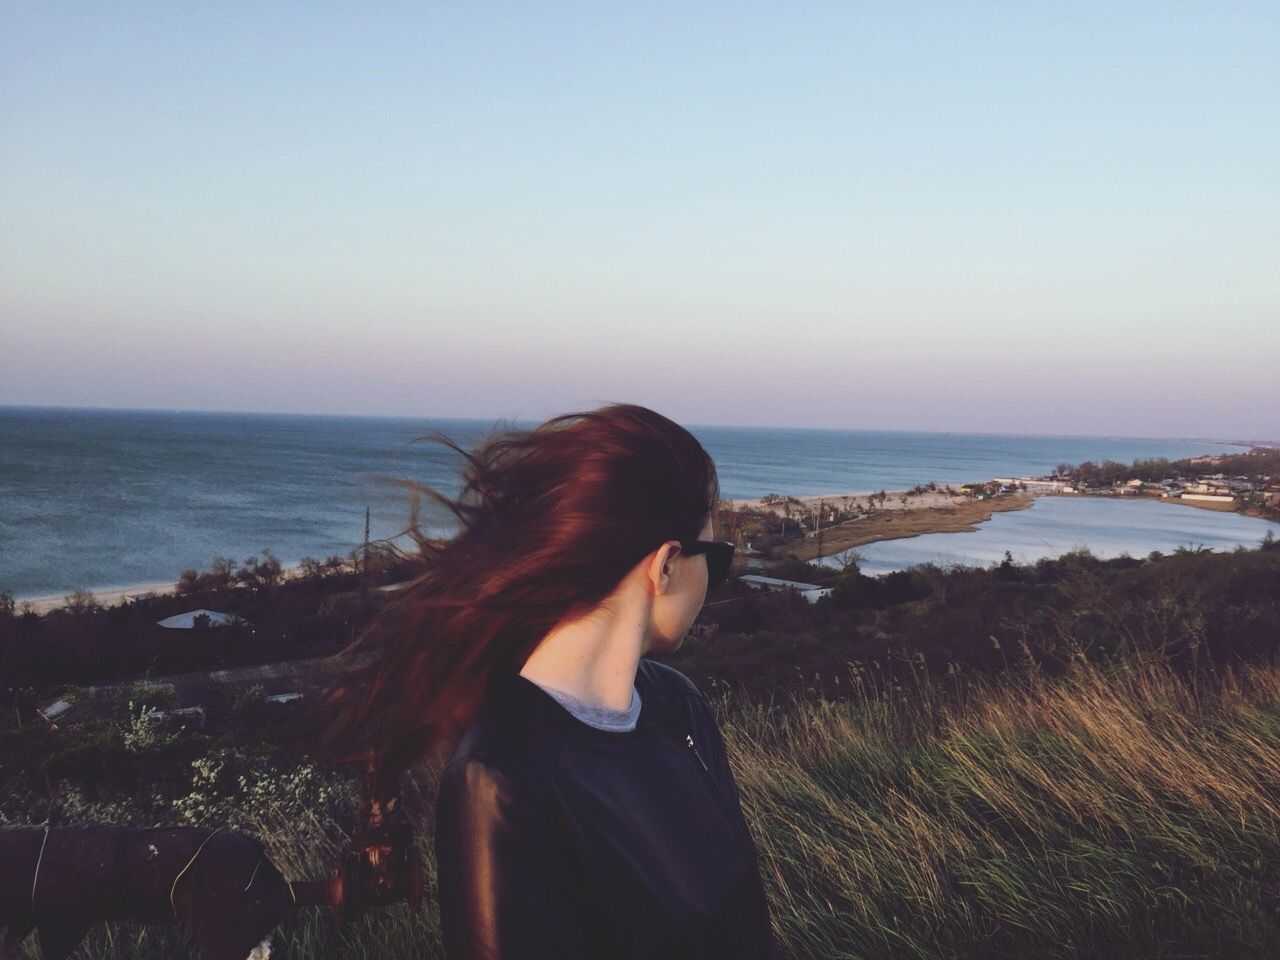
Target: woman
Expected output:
[586,808]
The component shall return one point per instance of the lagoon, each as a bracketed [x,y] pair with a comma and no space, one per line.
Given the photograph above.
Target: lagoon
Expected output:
[1055,525]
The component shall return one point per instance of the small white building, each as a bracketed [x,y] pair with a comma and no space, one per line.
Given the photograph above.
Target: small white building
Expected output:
[1210,487]
[1036,484]
[810,591]
[187,621]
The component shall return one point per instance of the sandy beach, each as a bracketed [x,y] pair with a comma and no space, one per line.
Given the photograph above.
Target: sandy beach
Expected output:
[894,500]
[931,512]
[108,598]
[112,596]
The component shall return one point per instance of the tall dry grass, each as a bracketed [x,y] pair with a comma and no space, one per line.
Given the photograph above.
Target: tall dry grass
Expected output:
[1111,813]
[1119,812]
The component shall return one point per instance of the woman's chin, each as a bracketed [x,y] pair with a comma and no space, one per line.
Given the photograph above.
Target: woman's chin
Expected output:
[665,647]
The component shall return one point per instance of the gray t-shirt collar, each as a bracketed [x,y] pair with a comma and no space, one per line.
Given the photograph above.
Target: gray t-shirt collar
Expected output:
[602,718]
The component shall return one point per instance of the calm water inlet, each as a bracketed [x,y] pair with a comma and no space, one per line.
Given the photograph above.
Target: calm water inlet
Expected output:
[1053,526]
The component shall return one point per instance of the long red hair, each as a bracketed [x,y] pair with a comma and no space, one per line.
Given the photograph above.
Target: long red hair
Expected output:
[550,520]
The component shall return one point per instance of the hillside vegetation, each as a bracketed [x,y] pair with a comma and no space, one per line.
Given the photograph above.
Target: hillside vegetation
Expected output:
[1076,759]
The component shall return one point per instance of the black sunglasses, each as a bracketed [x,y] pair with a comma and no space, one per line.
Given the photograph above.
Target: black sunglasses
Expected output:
[719,556]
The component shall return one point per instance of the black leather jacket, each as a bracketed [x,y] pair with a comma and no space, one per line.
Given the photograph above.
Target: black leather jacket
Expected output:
[556,839]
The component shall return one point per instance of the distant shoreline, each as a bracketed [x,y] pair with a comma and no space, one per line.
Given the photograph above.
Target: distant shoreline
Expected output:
[108,597]
[115,595]
[932,511]
[924,504]
[926,513]
[148,538]
[931,498]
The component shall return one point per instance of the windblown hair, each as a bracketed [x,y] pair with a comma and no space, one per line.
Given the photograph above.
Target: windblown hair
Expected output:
[551,520]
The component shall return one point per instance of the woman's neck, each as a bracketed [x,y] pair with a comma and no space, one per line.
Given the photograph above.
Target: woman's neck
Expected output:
[593,658]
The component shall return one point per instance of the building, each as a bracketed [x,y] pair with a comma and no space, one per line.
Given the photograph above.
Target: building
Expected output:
[810,591]
[195,619]
[1035,484]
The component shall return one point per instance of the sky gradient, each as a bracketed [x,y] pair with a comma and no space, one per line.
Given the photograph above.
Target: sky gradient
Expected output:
[983,218]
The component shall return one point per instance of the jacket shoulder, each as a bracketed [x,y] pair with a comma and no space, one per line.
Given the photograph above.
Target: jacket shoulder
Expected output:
[509,884]
[507,736]
[668,679]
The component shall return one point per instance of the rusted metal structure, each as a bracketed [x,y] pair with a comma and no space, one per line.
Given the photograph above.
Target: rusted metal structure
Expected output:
[60,880]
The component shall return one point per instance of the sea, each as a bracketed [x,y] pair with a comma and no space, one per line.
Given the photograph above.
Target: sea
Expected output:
[101,499]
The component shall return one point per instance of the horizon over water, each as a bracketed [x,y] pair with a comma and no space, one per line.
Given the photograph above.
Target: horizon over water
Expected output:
[103,498]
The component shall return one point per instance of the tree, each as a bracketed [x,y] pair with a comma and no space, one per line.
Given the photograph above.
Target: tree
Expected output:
[222,573]
[1006,569]
[849,561]
[262,574]
[81,603]
[188,582]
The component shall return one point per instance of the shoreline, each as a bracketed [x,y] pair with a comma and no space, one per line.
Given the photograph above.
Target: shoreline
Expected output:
[893,501]
[903,515]
[921,514]
[933,504]
[955,515]
[108,597]
[116,595]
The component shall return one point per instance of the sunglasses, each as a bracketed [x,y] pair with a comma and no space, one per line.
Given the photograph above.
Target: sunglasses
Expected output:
[719,555]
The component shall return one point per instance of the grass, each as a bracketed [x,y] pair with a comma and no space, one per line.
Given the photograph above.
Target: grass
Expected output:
[1118,812]
[1121,813]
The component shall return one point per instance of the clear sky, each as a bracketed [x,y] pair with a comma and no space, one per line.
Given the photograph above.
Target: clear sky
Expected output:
[1052,218]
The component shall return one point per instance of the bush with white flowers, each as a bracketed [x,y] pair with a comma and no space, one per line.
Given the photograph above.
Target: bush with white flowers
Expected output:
[144,730]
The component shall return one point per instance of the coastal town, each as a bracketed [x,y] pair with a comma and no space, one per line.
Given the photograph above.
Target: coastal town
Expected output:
[809,527]
[1248,483]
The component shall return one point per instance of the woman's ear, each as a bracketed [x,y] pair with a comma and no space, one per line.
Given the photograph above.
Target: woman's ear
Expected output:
[660,566]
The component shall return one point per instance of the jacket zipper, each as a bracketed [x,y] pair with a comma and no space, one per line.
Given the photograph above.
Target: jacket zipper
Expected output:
[711,785]
[688,739]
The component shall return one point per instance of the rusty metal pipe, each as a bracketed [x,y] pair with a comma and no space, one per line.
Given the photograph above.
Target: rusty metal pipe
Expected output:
[312,893]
